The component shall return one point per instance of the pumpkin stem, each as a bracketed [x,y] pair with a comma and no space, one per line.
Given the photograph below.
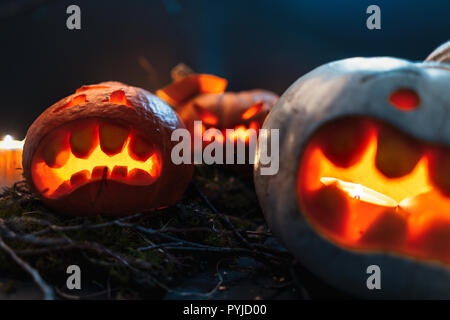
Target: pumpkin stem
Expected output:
[440,54]
[180,71]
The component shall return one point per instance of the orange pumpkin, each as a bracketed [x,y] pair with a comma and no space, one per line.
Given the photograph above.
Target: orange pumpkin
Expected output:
[201,97]
[364,174]
[105,150]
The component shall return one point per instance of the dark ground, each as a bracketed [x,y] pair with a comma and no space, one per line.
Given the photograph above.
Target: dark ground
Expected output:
[213,244]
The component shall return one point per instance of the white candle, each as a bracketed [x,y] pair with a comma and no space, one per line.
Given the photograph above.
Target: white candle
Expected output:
[360,192]
[10,161]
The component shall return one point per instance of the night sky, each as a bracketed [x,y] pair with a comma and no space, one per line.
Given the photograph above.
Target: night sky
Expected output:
[265,44]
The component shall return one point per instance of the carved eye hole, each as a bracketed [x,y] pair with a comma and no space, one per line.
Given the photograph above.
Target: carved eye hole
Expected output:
[75,101]
[404,99]
[119,97]
[86,88]
[206,116]
[252,111]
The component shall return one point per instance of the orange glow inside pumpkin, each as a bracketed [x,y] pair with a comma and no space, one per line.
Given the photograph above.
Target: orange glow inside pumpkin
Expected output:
[240,132]
[252,111]
[73,102]
[357,199]
[119,97]
[209,118]
[90,87]
[404,99]
[92,150]
[243,133]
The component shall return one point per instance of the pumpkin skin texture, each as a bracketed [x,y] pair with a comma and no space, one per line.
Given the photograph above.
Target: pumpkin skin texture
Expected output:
[105,150]
[329,121]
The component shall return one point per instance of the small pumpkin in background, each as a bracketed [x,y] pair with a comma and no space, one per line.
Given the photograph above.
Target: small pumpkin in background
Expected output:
[364,174]
[202,97]
[105,150]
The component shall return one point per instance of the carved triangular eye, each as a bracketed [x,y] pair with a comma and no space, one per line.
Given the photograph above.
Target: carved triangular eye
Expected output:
[206,116]
[119,97]
[404,99]
[73,102]
[91,87]
[252,111]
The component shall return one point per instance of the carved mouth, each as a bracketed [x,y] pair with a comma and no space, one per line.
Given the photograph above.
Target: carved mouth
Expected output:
[88,151]
[365,185]
[241,132]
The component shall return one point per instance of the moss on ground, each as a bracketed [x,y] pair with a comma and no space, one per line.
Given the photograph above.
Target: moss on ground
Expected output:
[113,254]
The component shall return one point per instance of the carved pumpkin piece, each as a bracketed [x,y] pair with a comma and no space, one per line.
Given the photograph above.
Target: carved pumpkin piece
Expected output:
[92,150]
[399,203]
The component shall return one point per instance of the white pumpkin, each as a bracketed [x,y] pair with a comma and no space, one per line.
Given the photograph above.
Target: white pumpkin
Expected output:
[364,174]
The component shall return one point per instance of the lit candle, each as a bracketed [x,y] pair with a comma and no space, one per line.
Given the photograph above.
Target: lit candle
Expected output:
[10,161]
[361,192]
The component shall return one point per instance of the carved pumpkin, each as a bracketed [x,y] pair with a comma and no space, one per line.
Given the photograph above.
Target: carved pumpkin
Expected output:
[105,150]
[364,175]
[202,97]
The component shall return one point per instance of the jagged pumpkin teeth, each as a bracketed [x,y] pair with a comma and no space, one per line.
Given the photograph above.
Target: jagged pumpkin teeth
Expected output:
[331,207]
[397,154]
[64,188]
[83,140]
[78,178]
[112,138]
[139,149]
[343,142]
[140,176]
[439,170]
[435,239]
[389,229]
[119,172]
[254,125]
[100,172]
[56,152]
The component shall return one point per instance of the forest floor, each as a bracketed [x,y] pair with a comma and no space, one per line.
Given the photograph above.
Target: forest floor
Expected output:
[213,244]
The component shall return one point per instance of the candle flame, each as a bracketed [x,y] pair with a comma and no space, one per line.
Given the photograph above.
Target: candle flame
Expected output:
[9,143]
[361,192]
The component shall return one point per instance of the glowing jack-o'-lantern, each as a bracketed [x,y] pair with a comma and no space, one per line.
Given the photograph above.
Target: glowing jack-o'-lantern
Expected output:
[105,150]
[201,97]
[364,175]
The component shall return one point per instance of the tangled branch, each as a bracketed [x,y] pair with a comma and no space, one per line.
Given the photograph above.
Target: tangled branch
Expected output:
[145,245]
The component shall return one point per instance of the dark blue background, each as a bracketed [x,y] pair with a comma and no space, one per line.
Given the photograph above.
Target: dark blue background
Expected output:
[266,44]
